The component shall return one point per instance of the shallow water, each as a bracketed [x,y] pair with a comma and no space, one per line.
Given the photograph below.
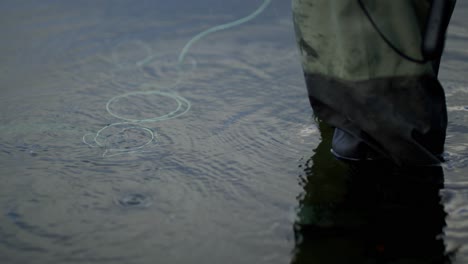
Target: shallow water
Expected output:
[206,161]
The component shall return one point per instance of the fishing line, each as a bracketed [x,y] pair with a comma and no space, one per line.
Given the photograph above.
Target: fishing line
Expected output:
[183,105]
[222,27]
[127,126]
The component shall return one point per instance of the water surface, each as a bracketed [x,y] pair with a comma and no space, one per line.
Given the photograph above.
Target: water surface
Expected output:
[218,170]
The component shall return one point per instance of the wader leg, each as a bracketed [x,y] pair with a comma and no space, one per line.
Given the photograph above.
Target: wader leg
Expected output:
[366,76]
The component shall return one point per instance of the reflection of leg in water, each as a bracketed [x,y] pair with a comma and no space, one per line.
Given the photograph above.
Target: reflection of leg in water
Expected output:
[371,213]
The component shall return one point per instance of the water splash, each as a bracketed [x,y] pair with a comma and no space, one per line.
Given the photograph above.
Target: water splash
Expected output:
[134,200]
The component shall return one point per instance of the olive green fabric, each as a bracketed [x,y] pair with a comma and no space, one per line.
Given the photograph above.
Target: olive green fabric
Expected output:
[358,83]
[337,39]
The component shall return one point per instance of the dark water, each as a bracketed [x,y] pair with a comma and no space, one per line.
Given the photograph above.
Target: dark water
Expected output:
[111,151]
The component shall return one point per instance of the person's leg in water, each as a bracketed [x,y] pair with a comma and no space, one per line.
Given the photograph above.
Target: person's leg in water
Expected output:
[368,77]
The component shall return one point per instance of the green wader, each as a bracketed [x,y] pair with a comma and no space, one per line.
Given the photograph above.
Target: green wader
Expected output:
[360,80]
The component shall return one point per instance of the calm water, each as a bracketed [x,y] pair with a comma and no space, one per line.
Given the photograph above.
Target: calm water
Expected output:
[111,151]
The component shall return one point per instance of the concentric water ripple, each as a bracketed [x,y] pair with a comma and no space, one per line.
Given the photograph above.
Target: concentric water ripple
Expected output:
[133,200]
[217,184]
[262,134]
[79,205]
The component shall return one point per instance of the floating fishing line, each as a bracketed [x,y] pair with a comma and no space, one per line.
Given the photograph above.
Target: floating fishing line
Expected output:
[183,105]
[101,140]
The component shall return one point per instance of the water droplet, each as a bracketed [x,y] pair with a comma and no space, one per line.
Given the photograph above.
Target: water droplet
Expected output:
[134,200]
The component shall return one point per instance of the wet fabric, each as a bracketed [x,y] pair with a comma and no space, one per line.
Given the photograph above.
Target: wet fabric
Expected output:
[358,83]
